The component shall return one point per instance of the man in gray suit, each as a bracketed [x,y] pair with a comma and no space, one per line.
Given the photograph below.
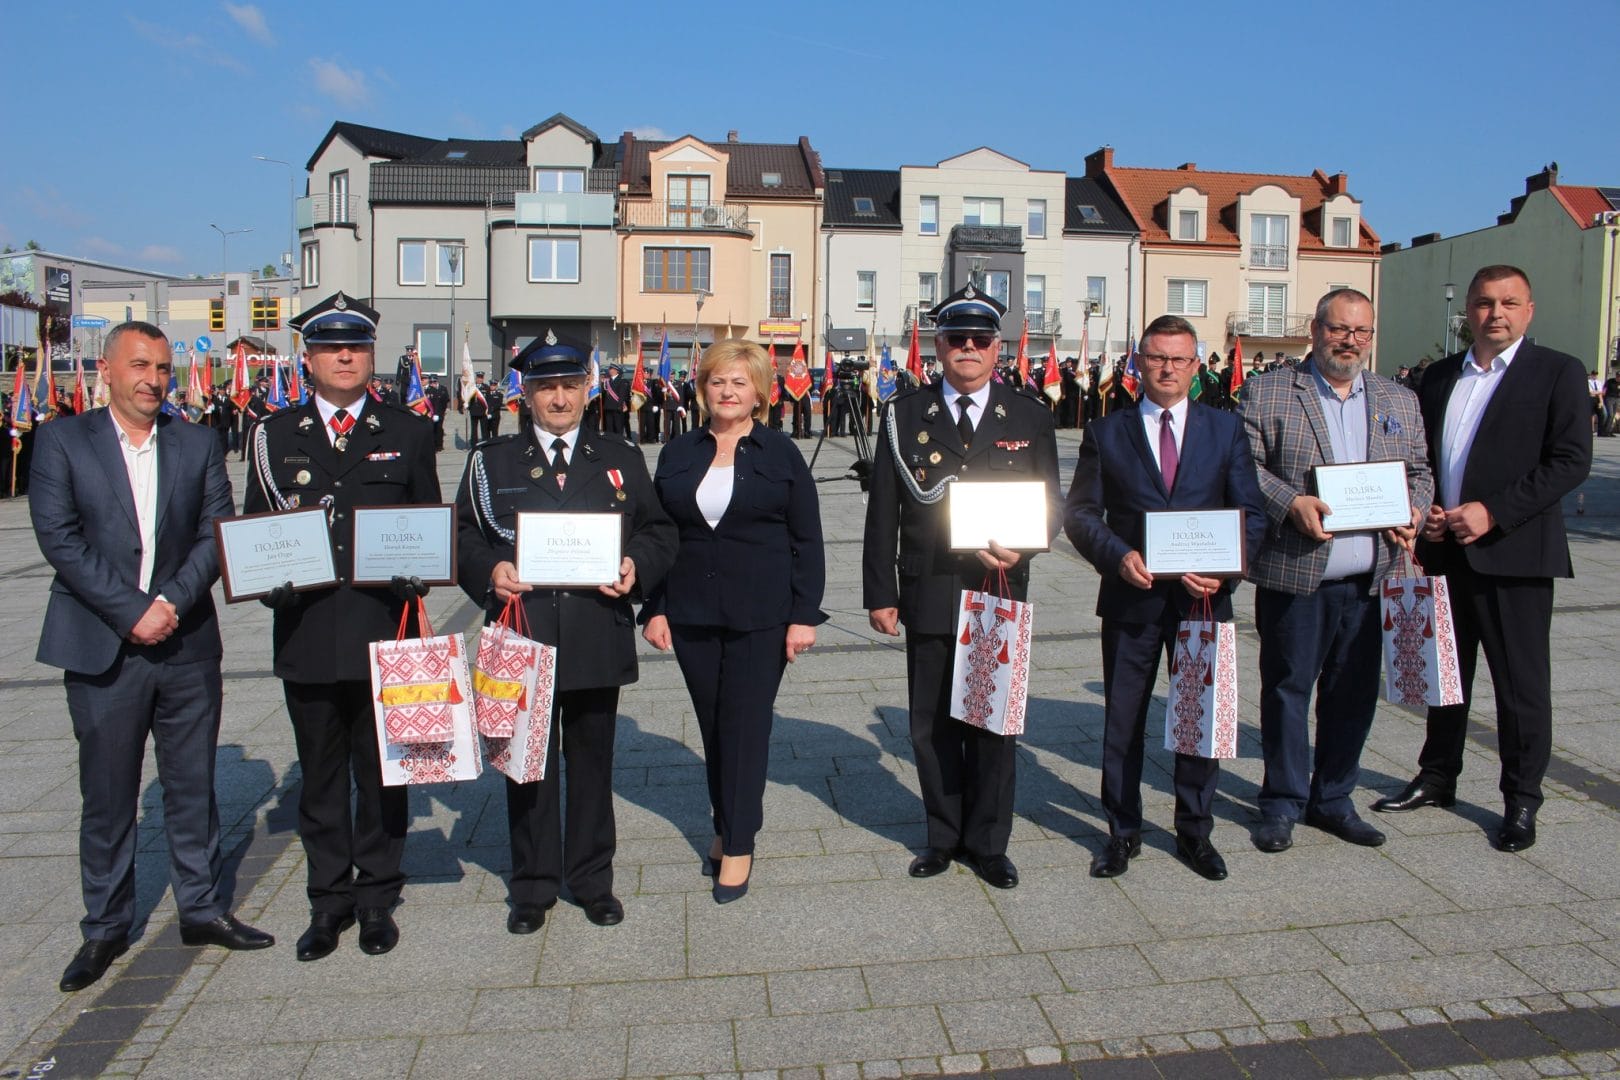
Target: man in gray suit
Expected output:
[123,503]
[1316,605]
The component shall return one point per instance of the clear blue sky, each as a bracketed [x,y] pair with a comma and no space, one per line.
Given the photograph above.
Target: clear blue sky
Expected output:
[130,127]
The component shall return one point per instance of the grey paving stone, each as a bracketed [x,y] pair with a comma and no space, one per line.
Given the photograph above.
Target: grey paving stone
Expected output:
[1470,875]
[1565,967]
[974,978]
[1227,955]
[1102,1014]
[1301,995]
[785,1041]
[391,1015]
[571,1053]
[662,1049]
[230,1023]
[1046,913]
[362,1059]
[1103,968]
[1492,929]
[1402,984]
[521,1008]
[992,1025]
[669,1000]
[242,1063]
[829,990]
[649,943]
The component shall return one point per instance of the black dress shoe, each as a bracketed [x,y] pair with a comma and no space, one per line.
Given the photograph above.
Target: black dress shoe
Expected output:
[1419,792]
[996,870]
[91,962]
[604,910]
[1115,858]
[932,862]
[1518,830]
[1274,834]
[322,936]
[1201,856]
[378,933]
[227,931]
[1349,828]
[526,918]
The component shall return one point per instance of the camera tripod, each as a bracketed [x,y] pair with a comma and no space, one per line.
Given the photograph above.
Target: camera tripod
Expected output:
[845,401]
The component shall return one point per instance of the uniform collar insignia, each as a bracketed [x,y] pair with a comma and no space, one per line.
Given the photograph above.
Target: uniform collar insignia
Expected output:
[1001,412]
[305,424]
[372,422]
[932,410]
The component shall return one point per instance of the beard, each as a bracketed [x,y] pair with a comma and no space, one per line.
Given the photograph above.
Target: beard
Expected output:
[1340,367]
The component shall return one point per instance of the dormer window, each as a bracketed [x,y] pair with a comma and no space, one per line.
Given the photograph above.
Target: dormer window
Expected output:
[770,179]
[864,207]
[455,155]
[1340,236]
[1186,225]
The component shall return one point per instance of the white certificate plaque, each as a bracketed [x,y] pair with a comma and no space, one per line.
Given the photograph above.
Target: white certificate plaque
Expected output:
[1364,495]
[1206,542]
[405,541]
[258,552]
[568,550]
[1012,513]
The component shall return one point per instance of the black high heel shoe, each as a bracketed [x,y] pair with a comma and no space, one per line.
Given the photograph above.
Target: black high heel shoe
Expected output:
[725,894]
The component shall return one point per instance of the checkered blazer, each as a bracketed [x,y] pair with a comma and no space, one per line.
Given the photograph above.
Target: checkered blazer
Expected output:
[1282,415]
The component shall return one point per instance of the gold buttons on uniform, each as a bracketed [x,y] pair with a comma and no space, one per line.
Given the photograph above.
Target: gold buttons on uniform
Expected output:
[303,477]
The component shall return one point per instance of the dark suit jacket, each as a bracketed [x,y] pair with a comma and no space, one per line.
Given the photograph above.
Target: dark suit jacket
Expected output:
[763,565]
[1116,481]
[907,561]
[83,510]
[1534,446]
[322,636]
[594,633]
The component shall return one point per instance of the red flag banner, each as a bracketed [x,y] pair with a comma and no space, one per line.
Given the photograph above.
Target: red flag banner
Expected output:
[1237,368]
[1023,356]
[797,378]
[241,385]
[1051,379]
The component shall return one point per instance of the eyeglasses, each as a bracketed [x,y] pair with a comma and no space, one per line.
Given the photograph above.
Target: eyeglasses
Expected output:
[959,340]
[1151,359]
[1362,334]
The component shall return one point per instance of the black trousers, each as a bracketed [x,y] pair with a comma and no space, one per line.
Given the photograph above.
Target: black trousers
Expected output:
[1131,653]
[733,676]
[353,855]
[966,773]
[1511,618]
[548,847]
[112,714]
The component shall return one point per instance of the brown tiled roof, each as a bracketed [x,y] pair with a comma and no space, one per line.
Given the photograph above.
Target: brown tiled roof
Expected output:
[1146,192]
[798,165]
[1581,202]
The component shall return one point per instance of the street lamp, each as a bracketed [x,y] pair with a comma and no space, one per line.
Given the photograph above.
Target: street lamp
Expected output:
[224,266]
[452,255]
[1451,294]
[292,228]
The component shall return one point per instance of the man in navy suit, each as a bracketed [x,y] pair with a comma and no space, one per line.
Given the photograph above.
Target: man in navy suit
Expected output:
[1510,434]
[123,506]
[1196,458]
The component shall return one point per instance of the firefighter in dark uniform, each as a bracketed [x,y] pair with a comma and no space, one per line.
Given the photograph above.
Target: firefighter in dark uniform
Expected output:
[967,427]
[341,450]
[556,465]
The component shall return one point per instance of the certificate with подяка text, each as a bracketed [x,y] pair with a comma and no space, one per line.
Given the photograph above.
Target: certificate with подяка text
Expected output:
[568,550]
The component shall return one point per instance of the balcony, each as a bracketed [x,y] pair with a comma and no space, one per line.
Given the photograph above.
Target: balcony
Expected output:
[1045,322]
[313,211]
[662,214]
[553,208]
[1268,256]
[1295,326]
[986,238]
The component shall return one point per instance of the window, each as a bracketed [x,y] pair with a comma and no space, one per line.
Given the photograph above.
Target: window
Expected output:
[216,316]
[1184,297]
[676,269]
[1341,232]
[1037,218]
[977,211]
[452,263]
[998,283]
[555,181]
[312,265]
[1268,241]
[928,215]
[927,291]
[1186,225]
[1035,301]
[1268,310]
[781,285]
[770,179]
[688,195]
[337,188]
[265,312]
[865,289]
[1090,215]
[433,349]
[863,206]
[553,260]
[1097,294]
[413,262]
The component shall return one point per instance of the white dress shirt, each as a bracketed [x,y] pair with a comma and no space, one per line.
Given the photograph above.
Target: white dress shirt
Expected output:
[1470,395]
[327,409]
[1151,422]
[980,399]
[546,438]
[142,464]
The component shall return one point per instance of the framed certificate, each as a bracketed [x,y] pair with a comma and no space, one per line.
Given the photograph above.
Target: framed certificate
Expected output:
[1207,542]
[405,541]
[1012,513]
[1364,495]
[258,552]
[568,550]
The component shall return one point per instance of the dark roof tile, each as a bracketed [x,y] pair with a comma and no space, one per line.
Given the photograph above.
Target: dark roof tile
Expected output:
[881,186]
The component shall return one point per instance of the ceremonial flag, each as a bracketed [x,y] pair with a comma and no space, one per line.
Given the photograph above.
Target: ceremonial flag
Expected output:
[887,382]
[241,385]
[469,382]
[45,393]
[914,362]
[638,378]
[664,371]
[1023,356]
[1132,380]
[870,376]
[297,383]
[512,391]
[413,394]
[1052,386]
[595,389]
[776,385]
[827,374]
[1237,368]
[276,400]
[81,399]
[22,404]
[196,391]
[797,380]
[1105,382]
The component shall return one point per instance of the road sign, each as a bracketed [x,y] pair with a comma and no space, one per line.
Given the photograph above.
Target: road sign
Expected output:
[88,322]
[204,344]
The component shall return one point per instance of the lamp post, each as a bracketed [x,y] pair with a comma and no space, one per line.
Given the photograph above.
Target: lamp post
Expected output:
[1451,294]
[292,232]
[452,254]
[224,267]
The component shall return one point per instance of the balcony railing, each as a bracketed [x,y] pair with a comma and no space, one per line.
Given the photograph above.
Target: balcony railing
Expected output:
[1294,326]
[1269,256]
[562,208]
[316,210]
[1047,322]
[912,316]
[663,214]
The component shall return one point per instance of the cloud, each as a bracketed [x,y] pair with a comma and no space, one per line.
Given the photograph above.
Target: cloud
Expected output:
[340,84]
[100,245]
[251,19]
[159,253]
[49,205]
[650,132]
[191,46]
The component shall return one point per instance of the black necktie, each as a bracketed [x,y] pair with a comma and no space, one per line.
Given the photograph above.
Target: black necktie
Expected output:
[964,426]
[559,460]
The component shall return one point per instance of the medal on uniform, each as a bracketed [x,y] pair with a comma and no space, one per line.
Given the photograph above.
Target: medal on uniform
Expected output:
[342,443]
[934,458]
[616,478]
[536,473]
[291,501]
[303,476]
[922,436]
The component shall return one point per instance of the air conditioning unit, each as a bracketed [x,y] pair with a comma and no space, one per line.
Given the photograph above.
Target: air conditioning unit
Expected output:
[714,216]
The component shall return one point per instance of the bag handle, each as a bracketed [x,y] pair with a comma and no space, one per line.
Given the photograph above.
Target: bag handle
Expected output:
[1005,590]
[1410,563]
[425,628]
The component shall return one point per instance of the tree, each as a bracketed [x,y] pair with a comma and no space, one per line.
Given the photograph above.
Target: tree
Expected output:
[32,245]
[268,271]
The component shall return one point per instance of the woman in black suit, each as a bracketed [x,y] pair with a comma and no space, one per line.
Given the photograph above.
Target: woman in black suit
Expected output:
[744,597]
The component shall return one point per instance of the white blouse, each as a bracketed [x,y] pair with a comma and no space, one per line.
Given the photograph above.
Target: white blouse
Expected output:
[714,493]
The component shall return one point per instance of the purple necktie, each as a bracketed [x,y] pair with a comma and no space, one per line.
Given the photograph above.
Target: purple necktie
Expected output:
[1167,450]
